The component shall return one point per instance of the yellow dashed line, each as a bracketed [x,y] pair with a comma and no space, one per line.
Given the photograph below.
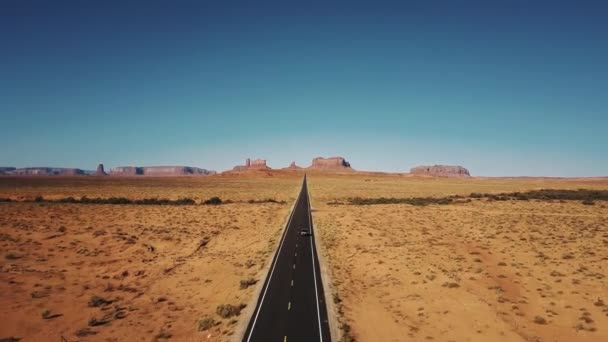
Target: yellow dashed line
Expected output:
[294,266]
[289,306]
[292,282]
[285,339]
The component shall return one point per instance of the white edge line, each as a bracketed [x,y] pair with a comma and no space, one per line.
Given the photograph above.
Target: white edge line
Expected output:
[274,264]
[314,271]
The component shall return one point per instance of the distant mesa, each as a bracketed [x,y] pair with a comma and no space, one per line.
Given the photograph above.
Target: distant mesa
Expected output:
[258,164]
[441,171]
[333,163]
[100,171]
[158,171]
[6,170]
[45,171]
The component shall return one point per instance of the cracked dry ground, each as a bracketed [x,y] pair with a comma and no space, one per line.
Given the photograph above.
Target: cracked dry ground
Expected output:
[127,272]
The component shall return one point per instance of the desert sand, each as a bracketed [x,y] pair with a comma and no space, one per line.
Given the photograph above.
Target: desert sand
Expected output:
[477,271]
[134,272]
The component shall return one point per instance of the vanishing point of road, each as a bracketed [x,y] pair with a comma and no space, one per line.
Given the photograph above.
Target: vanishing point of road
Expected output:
[291,306]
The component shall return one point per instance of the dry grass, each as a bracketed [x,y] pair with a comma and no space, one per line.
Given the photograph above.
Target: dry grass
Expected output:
[477,271]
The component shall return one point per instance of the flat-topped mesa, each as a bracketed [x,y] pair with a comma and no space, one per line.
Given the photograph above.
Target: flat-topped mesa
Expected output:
[127,171]
[174,171]
[258,164]
[100,171]
[7,170]
[47,171]
[333,163]
[159,171]
[441,171]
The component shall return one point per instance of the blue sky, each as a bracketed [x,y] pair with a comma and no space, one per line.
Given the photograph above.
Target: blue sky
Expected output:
[501,87]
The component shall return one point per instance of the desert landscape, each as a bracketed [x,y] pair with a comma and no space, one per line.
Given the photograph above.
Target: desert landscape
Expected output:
[477,269]
[279,171]
[114,272]
[474,268]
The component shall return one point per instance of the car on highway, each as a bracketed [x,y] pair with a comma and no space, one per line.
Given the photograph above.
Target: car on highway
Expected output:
[305,232]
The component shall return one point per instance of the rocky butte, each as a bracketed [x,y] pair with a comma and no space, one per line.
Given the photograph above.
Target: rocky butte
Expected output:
[441,171]
[258,164]
[292,166]
[333,163]
[100,171]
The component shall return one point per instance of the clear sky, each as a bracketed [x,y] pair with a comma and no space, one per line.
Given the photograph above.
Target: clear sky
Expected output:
[500,87]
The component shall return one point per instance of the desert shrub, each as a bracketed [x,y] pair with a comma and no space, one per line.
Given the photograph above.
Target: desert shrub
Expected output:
[184,201]
[418,201]
[11,256]
[93,321]
[2,199]
[206,324]
[97,301]
[213,201]
[588,202]
[347,335]
[245,283]
[229,310]
[549,194]
[265,200]
[67,200]
[39,199]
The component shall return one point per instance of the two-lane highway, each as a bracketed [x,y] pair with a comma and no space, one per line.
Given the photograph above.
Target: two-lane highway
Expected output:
[291,306]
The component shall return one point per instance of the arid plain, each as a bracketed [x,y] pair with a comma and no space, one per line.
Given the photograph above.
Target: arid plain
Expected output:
[472,270]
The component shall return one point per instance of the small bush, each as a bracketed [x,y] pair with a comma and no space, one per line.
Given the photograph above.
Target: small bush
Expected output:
[206,324]
[213,201]
[2,199]
[588,202]
[245,283]
[417,201]
[540,320]
[229,310]
[97,301]
[12,256]
[39,199]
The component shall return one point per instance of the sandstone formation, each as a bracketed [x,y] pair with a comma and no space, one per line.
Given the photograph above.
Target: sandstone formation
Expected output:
[441,171]
[159,171]
[258,164]
[293,166]
[100,171]
[333,163]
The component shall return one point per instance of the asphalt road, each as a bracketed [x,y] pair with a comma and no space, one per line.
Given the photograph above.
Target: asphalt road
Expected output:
[291,306]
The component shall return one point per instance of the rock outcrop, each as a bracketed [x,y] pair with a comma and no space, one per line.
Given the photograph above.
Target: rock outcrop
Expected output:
[258,164]
[159,171]
[100,171]
[441,171]
[333,163]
